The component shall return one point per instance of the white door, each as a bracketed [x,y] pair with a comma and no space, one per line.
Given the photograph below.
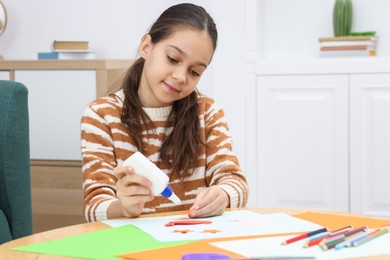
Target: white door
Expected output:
[57,99]
[370,144]
[302,142]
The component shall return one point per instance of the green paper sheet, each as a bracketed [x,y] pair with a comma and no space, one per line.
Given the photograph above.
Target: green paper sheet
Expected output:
[102,244]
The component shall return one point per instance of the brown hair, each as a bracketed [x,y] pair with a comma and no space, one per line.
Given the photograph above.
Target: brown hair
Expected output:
[184,143]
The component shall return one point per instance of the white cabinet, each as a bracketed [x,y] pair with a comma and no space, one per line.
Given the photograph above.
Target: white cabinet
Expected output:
[370,144]
[302,126]
[323,135]
[57,99]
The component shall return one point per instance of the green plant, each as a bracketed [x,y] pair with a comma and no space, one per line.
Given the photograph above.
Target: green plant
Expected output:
[342,17]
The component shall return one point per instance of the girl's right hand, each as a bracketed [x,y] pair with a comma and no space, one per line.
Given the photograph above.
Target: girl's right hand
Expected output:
[132,190]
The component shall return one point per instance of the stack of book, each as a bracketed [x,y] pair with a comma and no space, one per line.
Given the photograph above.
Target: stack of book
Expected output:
[348,46]
[68,50]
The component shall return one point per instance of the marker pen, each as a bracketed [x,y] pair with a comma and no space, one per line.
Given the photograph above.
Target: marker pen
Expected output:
[143,166]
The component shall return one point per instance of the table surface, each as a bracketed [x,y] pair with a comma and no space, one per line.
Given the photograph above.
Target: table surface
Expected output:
[6,253]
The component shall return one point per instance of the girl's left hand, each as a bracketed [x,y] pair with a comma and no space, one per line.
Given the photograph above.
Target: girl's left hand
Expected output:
[210,201]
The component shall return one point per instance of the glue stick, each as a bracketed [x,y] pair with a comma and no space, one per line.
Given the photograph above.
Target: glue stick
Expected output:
[143,166]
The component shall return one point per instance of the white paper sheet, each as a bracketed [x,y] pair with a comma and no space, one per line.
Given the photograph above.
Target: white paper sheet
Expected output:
[271,246]
[230,224]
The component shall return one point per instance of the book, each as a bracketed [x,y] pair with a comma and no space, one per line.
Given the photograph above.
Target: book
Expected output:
[348,53]
[66,55]
[348,38]
[353,47]
[348,46]
[70,45]
[347,43]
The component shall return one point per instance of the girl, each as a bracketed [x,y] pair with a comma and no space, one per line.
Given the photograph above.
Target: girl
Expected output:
[159,112]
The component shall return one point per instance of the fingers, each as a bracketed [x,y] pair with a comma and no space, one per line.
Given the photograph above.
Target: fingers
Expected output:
[132,179]
[121,171]
[132,206]
[127,176]
[201,199]
[132,190]
[133,198]
[210,201]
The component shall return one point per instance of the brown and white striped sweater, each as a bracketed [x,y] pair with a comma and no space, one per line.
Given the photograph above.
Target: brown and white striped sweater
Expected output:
[106,143]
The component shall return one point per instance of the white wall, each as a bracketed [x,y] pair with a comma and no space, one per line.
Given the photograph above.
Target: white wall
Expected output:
[289,30]
[112,27]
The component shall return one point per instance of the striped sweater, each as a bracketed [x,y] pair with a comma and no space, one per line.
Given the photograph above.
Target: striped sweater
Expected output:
[106,144]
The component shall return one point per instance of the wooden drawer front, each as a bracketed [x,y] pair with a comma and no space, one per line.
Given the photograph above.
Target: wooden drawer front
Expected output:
[56,194]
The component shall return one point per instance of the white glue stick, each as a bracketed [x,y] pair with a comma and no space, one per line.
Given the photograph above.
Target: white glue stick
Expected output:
[143,166]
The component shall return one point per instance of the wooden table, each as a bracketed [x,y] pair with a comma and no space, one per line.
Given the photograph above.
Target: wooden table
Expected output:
[6,253]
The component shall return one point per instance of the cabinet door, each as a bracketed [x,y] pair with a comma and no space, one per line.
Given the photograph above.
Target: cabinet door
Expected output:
[302,142]
[57,99]
[370,144]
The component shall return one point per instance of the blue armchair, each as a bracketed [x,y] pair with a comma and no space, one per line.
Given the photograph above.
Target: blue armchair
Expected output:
[15,184]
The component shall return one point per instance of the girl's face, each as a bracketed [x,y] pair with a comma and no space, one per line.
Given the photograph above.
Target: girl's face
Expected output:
[173,66]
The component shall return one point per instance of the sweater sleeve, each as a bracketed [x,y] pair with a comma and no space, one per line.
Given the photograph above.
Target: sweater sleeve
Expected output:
[98,162]
[222,164]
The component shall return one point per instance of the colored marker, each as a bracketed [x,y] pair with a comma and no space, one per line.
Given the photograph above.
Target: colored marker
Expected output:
[371,237]
[303,236]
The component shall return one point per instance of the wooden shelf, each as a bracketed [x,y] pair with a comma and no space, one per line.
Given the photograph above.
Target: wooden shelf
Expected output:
[108,72]
[63,64]
[350,65]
